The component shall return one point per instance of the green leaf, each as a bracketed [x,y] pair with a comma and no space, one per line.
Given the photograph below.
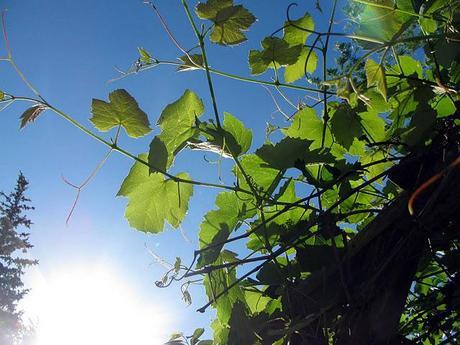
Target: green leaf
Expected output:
[122,110]
[295,214]
[270,274]
[174,342]
[262,176]
[217,282]
[375,75]
[290,152]
[238,137]
[444,107]
[191,62]
[346,125]
[411,66]
[256,301]
[241,330]
[276,53]
[428,25]
[421,126]
[31,114]
[297,70]
[196,336]
[175,336]
[230,22]
[383,23]
[232,139]
[177,122]
[307,125]
[218,224]
[295,36]
[177,265]
[373,125]
[144,56]
[2,95]
[154,199]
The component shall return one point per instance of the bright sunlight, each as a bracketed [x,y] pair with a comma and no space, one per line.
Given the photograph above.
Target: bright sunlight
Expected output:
[92,306]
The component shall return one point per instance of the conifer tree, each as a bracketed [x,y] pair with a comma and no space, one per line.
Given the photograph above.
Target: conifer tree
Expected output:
[14,244]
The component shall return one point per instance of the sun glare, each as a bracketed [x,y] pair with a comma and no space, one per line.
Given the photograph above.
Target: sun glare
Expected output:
[93,306]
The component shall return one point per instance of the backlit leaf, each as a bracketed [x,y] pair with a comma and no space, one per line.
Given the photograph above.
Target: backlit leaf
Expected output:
[154,200]
[262,176]
[31,114]
[190,62]
[421,126]
[177,122]
[230,22]
[307,125]
[345,125]
[410,66]
[217,282]
[373,125]
[375,75]
[238,137]
[297,70]
[383,23]
[290,152]
[218,224]
[275,53]
[144,56]
[121,110]
[293,33]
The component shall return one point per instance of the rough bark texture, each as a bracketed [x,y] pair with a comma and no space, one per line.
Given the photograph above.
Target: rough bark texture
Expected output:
[362,298]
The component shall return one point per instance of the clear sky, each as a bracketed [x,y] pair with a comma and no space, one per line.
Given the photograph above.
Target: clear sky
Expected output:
[68,50]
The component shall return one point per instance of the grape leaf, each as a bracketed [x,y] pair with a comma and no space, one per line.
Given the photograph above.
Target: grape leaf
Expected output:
[295,214]
[345,125]
[410,66]
[292,32]
[177,123]
[307,125]
[232,139]
[144,56]
[237,137]
[275,53]
[373,125]
[421,126]
[383,23]
[122,110]
[31,114]
[218,224]
[217,282]
[190,62]
[230,21]
[297,70]
[261,175]
[375,75]
[154,199]
[444,107]
[289,152]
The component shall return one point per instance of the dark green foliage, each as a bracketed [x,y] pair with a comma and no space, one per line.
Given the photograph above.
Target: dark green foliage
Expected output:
[14,243]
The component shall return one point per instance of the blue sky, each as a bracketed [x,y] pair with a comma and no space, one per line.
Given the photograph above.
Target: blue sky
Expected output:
[68,50]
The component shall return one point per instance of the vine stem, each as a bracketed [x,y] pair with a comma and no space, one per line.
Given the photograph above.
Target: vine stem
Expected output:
[200,38]
[396,9]
[291,239]
[117,148]
[205,61]
[12,62]
[324,51]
